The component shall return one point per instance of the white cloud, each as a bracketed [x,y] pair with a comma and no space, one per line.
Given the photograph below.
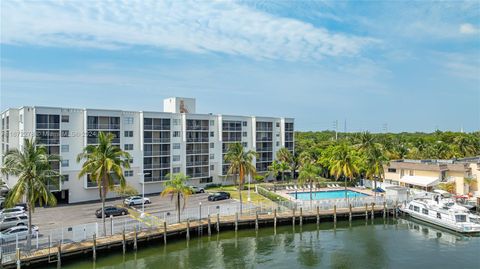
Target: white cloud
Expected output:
[199,27]
[468,29]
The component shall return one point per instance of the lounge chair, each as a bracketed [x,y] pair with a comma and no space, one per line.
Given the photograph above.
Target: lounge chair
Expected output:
[329,186]
[337,186]
[295,187]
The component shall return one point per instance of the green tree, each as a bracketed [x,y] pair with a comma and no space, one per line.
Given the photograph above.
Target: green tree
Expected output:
[32,166]
[177,188]
[274,169]
[375,160]
[240,164]
[104,164]
[126,191]
[308,173]
[344,163]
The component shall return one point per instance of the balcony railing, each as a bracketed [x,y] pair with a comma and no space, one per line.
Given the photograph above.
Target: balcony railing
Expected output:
[197,175]
[198,140]
[156,153]
[198,163]
[232,129]
[48,125]
[157,140]
[155,179]
[267,149]
[264,129]
[156,127]
[197,128]
[264,139]
[94,140]
[156,166]
[103,126]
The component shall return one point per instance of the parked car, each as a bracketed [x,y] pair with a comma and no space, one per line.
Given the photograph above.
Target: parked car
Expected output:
[111,211]
[20,232]
[136,200]
[196,189]
[221,195]
[12,211]
[13,220]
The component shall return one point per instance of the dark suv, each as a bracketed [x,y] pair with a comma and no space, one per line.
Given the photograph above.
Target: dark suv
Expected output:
[111,211]
[221,195]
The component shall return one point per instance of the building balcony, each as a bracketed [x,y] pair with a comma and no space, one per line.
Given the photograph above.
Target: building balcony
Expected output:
[48,125]
[197,175]
[156,153]
[198,163]
[198,140]
[156,140]
[157,127]
[192,152]
[157,166]
[264,149]
[197,128]
[103,126]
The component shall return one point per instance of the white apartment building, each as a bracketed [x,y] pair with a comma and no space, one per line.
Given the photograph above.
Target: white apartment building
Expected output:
[174,141]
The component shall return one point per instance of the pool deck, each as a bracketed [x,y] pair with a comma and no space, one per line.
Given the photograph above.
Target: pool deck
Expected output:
[285,193]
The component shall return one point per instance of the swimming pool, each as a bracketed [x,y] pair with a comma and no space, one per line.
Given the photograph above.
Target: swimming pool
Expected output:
[319,195]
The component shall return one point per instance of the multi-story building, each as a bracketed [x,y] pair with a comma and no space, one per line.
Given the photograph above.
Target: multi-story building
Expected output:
[427,174]
[174,141]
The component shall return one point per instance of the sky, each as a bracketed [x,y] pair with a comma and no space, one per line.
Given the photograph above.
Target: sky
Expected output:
[370,65]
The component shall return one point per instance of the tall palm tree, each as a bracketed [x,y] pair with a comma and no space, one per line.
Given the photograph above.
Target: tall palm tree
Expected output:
[176,187]
[284,167]
[32,166]
[240,162]
[274,169]
[344,163]
[104,164]
[375,160]
[308,174]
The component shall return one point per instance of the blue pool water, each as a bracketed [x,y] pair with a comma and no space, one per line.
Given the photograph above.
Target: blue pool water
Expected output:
[318,195]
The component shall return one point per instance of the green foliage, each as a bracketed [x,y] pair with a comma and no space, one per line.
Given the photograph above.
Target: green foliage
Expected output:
[127,190]
[177,188]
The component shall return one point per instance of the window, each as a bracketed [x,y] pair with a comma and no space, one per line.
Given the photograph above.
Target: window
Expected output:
[65,178]
[439,216]
[176,158]
[410,207]
[128,146]
[128,134]
[65,118]
[277,124]
[278,144]
[425,211]
[392,170]
[212,145]
[212,122]
[65,163]
[244,134]
[245,144]
[277,135]
[65,148]
[130,160]
[176,145]
[212,156]
[461,218]
[244,123]
[212,167]
[128,173]
[416,209]
[206,180]
[176,170]
[411,173]
[21,118]
[176,133]
[176,121]
[212,134]
[128,120]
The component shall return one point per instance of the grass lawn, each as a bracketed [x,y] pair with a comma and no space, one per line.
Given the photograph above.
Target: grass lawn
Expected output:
[255,197]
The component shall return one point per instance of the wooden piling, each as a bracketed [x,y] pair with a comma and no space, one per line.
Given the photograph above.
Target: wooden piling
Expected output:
[59,255]
[293,218]
[165,233]
[275,219]
[350,212]
[334,213]
[236,221]
[301,217]
[17,257]
[94,248]
[218,222]
[384,209]
[135,237]
[396,209]
[256,220]
[318,215]
[209,223]
[188,229]
[366,211]
[372,211]
[124,242]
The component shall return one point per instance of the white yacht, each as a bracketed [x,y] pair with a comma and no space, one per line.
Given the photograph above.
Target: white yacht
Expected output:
[444,213]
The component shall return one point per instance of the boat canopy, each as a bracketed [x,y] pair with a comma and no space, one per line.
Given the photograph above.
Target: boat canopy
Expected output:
[420,181]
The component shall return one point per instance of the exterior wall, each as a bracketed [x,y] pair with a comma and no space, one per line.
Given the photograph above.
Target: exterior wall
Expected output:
[74,189]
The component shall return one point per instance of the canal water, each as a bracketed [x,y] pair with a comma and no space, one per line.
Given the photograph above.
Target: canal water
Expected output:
[393,244]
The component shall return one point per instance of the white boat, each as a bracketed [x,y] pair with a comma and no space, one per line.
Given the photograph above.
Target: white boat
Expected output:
[444,213]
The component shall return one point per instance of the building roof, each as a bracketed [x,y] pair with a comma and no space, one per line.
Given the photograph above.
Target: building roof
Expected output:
[420,181]
[429,166]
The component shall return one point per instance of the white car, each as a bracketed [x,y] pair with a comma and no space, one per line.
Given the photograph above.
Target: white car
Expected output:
[17,210]
[15,220]
[20,232]
[136,200]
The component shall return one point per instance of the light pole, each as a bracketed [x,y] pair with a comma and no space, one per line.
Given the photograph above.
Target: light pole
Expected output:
[143,190]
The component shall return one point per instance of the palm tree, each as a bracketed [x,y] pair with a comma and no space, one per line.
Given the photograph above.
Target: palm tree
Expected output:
[240,164]
[464,145]
[32,166]
[344,163]
[274,169]
[177,188]
[375,160]
[284,155]
[284,167]
[104,164]
[308,174]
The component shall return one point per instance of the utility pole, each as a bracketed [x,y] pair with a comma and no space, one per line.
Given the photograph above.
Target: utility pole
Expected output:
[335,127]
